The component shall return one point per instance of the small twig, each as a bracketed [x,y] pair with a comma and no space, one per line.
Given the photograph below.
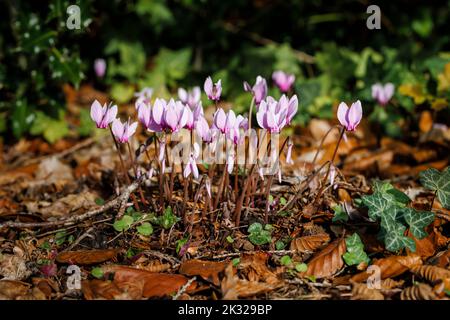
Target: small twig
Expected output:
[76,219]
[183,288]
[76,242]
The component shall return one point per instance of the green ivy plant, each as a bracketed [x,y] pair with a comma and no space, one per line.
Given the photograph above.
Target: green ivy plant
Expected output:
[439,182]
[388,205]
[355,251]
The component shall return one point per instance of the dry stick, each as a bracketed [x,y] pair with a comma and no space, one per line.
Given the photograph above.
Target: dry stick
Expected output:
[185,190]
[76,219]
[134,165]
[127,178]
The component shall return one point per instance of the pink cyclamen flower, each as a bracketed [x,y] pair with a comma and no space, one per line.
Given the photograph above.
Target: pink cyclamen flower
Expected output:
[100,67]
[234,134]
[290,105]
[271,116]
[191,166]
[213,91]
[383,93]
[123,131]
[146,118]
[103,116]
[191,97]
[170,116]
[283,80]
[224,121]
[259,90]
[350,117]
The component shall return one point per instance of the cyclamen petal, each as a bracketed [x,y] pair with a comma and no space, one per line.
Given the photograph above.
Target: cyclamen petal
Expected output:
[350,117]
[96,112]
[342,113]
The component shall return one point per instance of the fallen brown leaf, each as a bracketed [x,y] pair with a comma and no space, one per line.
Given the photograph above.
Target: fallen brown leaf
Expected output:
[256,269]
[391,267]
[360,291]
[421,291]
[86,257]
[328,261]
[233,288]
[208,270]
[308,244]
[431,273]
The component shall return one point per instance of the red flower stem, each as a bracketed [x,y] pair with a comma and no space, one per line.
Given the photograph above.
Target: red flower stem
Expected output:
[134,165]
[127,178]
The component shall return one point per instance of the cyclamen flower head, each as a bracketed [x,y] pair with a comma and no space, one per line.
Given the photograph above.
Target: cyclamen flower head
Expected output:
[213,91]
[100,67]
[383,93]
[191,98]
[290,105]
[350,117]
[259,90]
[191,166]
[103,116]
[271,115]
[170,116]
[224,121]
[234,134]
[146,118]
[283,80]
[123,131]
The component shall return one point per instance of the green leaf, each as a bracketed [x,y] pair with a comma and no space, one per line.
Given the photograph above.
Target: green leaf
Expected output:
[280,245]
[438,182]
[145,229]
[339,214]
[100,201]
[60,238]
[230,239]
[168,219]
[235,261]
[51,129]
[259,235]
[122,93]
[417,221]
[301,267]
[97,272]
[181,243]
[86,124]
[123,224]
[355,251]
[285,260]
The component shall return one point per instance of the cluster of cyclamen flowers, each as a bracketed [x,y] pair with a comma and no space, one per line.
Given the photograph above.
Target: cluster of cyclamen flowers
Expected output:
[166,117]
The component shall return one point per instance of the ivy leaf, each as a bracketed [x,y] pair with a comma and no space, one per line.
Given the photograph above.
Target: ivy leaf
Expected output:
[355,251]
[339,214]
[377,204]
[395,239]
[417,221]
[438,182]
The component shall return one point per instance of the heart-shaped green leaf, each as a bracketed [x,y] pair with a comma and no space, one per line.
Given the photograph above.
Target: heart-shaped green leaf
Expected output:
[438,182]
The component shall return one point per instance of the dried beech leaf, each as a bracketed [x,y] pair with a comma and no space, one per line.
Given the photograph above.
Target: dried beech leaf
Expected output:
[390,267]
[142,283]
[362,292]
[425,247]
[12,289]
[99,289]
[233,288]
[86,257]
[421,291]
[389,283]
[431,273]
[308,244]
[441,288]
[255,266]
[328,261]
[208,270]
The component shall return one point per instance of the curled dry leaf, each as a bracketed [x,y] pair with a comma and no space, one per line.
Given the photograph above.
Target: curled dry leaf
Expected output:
[389,283]
[360,291]
[13,266]
[425,247]
[99,289]
[421,291]
[308,244]
[256,269]
[233,288]
[328,261]
[441,288]
[390,267]
[431,273]
[208,270]
[86,257]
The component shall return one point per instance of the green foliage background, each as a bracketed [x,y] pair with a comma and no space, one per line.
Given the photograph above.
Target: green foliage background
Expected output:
[169,43]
